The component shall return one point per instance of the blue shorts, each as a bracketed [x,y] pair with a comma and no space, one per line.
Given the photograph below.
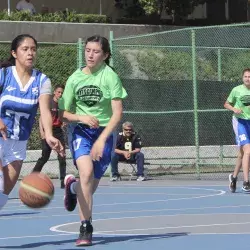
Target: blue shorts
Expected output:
[242,131]
[81,140]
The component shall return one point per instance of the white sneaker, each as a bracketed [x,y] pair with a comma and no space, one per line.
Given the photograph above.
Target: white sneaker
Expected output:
[141,178]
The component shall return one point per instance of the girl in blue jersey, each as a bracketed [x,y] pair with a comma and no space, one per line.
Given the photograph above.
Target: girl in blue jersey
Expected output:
[23,89]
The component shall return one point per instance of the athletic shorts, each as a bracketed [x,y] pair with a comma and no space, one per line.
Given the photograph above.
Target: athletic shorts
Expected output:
[81,140]
[12,150]
[242,131]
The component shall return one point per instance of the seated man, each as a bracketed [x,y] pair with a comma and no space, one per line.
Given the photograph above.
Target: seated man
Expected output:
[128,149]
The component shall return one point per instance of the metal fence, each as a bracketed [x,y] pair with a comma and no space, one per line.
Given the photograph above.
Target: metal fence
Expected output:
[177,82]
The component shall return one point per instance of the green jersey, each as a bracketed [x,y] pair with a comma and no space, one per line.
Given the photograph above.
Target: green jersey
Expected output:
[240,98]
[91,94]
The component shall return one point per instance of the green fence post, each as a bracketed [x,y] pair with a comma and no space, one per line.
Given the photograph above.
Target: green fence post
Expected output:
[196,124]
[79,53]
[111,38]
[219,64]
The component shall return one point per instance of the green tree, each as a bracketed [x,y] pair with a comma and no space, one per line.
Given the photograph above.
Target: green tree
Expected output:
[175,8]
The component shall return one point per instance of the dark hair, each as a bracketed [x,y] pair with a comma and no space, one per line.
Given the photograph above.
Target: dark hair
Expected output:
[14,45]
[59,86]
[104,45]
[245,70]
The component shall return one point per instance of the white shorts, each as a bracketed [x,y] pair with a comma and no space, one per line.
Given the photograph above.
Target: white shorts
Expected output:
[12,150]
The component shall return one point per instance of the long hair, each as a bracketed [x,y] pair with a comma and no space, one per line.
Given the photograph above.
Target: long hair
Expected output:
[11,61]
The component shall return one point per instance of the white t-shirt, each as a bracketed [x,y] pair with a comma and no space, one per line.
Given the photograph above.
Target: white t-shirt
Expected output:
[23,5]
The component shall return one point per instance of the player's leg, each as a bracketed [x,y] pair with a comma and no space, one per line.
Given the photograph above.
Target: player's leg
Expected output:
[11,174]
[61,159]
[245,166]
[46,151]
[233,177]
[89,179]
[13,154]
[3,196]
[242,132]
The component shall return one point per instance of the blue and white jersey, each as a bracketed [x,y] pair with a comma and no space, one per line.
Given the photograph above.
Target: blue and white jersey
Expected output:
[18,103]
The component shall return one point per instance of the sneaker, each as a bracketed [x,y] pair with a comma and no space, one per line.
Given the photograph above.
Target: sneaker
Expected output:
[115,178]
[232,183]
[141,178]
[246,186]
[70,199]
[85,236]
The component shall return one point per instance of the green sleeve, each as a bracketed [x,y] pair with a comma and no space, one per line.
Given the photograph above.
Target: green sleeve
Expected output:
[231,97]
[68,97]
[116,89]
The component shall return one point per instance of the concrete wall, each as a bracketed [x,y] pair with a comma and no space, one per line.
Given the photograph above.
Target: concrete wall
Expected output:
[174,158]
[70,32]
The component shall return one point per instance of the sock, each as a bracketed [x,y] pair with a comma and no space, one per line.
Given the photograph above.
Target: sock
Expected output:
[1,181]
[3,200]
[86,223]
[73,187]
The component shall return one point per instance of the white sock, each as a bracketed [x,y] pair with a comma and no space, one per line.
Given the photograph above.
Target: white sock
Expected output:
[3,200]
[73,187]
[1,182]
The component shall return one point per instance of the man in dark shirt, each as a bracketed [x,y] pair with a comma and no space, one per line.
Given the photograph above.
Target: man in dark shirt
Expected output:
[57,133]
[128,149]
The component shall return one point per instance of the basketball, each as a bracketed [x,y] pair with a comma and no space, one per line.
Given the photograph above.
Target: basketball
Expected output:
[36,190]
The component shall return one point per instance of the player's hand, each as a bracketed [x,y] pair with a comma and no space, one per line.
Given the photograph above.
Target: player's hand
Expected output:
[97,150]
[89,120]
[237,111]
[56,145]
[3,130]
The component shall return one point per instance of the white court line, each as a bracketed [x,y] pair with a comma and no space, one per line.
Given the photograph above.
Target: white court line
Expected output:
[32,236]
[10,217]
[55,228]
[114,232]
[220,192]
[173,227]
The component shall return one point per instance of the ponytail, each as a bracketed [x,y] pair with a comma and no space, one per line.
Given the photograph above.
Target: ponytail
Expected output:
[7,63]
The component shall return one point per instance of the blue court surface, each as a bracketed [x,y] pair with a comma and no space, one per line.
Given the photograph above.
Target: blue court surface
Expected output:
[134,215]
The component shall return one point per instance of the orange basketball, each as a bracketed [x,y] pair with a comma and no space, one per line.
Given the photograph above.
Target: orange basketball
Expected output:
[36,190]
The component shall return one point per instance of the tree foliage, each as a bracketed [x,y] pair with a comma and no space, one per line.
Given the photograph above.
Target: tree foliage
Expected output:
[178,7]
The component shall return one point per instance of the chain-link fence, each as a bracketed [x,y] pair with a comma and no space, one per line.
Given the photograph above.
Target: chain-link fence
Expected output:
[177,83]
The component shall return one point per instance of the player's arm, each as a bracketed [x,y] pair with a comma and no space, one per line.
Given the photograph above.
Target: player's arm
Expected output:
[229,103]
[45,118]
[41,129]
[114,120]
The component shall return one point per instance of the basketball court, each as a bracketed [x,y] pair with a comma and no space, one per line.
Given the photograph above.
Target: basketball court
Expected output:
[146,215]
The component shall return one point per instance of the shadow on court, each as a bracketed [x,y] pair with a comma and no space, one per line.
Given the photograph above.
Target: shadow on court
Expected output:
[16,214]
[99,240]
